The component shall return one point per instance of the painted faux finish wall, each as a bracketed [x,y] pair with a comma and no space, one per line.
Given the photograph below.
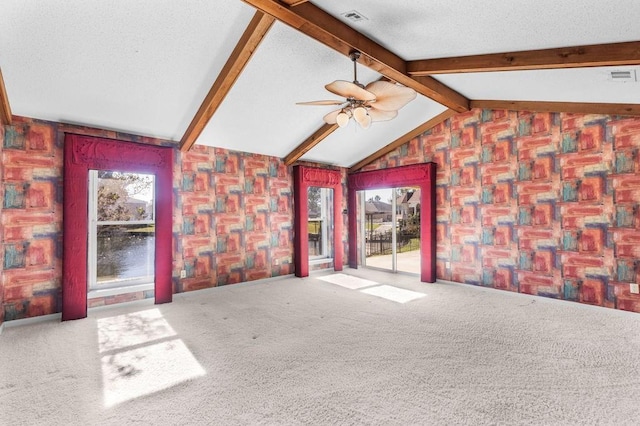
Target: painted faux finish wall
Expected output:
[232,217]
[1,231]
[31,219]
[540,203]
[233,220]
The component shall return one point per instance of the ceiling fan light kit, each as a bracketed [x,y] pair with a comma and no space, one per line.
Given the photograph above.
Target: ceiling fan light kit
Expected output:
[378,101]
[359,114]
[342,119]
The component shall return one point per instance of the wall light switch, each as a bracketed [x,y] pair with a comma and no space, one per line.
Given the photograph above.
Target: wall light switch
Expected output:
[634,288]
[183,274]
[447,265]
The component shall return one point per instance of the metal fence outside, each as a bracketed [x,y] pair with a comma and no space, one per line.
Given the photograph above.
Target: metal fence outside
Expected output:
[381,243]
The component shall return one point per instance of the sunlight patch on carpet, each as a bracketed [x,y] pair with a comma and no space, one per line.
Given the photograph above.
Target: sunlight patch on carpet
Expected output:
[148,369]
[394,294]
[136,328]
[348,281]
[141,355]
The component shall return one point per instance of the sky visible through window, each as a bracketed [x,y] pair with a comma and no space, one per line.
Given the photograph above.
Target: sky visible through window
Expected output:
[385,194]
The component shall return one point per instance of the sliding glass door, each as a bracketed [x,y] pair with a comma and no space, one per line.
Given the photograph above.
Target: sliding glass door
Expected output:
[390,231]
[407,229]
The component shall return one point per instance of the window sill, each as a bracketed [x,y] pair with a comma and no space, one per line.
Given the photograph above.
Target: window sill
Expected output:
[320,260]
[94,294]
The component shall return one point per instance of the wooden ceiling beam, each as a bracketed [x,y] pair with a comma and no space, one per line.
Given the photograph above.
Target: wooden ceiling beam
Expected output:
[293,2]
[309,143]
[242,53]
[5,108]
[321,26]
[404,139]
[595,55]
[572,107]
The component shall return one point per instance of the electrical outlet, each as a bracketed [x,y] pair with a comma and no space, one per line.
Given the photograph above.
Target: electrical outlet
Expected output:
[634,288]
[183,274]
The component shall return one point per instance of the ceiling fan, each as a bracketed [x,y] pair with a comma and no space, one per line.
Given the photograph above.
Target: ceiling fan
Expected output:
[377,101]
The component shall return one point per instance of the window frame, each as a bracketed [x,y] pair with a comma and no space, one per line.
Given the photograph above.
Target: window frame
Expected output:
[82,153]
[92,238]
[303,177]
[326,223]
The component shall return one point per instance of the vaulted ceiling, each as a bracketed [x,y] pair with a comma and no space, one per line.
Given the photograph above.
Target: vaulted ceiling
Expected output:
[228,73]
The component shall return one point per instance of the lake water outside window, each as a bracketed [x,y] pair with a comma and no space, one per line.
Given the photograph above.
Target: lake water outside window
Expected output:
[121,229]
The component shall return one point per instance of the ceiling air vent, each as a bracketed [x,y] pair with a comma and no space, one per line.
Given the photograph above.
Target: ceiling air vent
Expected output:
[622,76]
[354,16]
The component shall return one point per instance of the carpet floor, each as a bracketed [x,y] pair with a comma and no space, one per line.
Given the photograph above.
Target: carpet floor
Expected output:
[328,349]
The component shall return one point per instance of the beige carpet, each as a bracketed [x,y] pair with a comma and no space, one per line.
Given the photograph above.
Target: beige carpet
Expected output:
[308,351]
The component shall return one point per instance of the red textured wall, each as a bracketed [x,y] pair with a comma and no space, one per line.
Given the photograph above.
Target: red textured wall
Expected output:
[232,218]
[31,219]
[1,231]
[540,203]
[546,204]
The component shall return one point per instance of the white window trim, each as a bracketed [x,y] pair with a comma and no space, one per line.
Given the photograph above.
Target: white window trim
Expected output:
[325,226]
[105,292]
[118,286]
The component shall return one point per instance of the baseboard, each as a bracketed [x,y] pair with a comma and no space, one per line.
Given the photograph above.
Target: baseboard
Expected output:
[540,299]
[233,285]
[148,301]
[31,320]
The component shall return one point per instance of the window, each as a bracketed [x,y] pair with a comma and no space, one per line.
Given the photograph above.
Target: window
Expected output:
[320,222]
[121,229]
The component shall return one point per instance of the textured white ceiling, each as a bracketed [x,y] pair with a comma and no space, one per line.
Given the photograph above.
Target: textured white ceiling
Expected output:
[418,29]
[145,66]
[139,66]
[260,113]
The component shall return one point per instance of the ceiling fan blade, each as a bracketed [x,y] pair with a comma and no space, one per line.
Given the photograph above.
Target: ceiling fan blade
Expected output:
[331,117]
[350,90]
[390,96]
[380,115]
[327,102]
